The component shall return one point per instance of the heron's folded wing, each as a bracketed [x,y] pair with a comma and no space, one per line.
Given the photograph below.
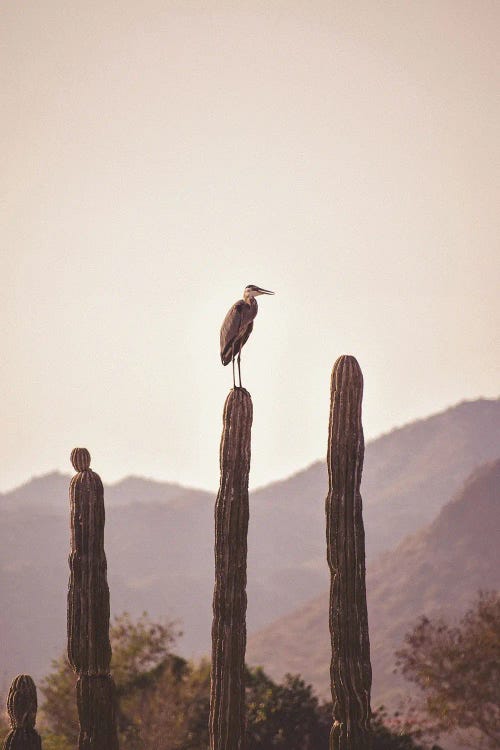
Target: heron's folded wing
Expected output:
[243,339]
[229,331]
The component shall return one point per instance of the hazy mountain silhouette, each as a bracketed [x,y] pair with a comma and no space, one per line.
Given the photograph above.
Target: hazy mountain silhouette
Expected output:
[50,491]
[438,570]
[159,536]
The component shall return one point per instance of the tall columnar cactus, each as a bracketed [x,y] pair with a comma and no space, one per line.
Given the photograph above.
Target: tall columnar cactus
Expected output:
[227,695]
[350,669]
[22,707]
[89,649]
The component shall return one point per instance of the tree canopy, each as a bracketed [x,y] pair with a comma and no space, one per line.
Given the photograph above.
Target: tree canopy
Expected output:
[457,669]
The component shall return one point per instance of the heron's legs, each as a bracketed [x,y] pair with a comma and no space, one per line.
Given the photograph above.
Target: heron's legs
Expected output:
[239,367]
[234,384]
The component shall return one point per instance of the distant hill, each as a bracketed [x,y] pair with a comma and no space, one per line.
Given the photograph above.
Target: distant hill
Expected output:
[436,571]
[159,536]
[50,492]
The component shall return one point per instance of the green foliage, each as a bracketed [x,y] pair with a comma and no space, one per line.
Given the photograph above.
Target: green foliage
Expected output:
[145,672]
[58,714]
[286,715]
[56,742]
[458,671]
[389,733]
[139,649]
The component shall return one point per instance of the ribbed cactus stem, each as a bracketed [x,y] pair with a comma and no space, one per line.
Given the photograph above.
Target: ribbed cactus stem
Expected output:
[89,649]
[22,708]
[350,669]
[227,695]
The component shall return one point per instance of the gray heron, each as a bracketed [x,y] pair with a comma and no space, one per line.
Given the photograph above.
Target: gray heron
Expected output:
[237,326]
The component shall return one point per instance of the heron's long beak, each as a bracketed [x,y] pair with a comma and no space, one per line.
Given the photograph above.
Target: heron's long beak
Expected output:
[264,291]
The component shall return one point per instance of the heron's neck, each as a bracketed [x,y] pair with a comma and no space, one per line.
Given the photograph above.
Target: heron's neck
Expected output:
[249,299]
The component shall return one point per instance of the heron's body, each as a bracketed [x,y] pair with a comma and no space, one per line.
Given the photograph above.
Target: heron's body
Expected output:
[238,325]
[236,328]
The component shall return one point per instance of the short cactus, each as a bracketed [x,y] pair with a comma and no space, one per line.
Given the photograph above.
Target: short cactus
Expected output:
[89,649]
[22,708]
[350,666]
[227,695]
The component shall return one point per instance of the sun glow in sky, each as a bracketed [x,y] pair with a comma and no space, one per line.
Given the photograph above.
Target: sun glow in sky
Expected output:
[159,156]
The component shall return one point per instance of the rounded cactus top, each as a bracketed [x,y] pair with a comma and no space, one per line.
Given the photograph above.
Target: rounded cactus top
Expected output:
[22,702]
[80,458]
[347,373]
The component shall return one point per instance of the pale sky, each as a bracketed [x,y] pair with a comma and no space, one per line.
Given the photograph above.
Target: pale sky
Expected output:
[157,156]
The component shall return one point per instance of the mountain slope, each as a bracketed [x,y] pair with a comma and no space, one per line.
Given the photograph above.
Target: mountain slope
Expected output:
[50,491]
[408,476]
[435,571]
[159,536]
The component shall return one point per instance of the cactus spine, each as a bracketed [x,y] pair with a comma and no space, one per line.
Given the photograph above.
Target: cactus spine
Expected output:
[22,707]
[350,669]
[89,649]
[227,694]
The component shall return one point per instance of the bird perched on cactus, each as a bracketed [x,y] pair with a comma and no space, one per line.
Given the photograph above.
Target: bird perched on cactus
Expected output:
[237,327]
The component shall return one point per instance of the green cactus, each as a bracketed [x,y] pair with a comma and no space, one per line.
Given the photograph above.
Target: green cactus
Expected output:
[350,669]
[89,648]
[227,694]
[22,708]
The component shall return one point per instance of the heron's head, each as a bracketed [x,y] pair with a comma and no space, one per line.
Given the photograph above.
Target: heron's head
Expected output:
[253,291]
